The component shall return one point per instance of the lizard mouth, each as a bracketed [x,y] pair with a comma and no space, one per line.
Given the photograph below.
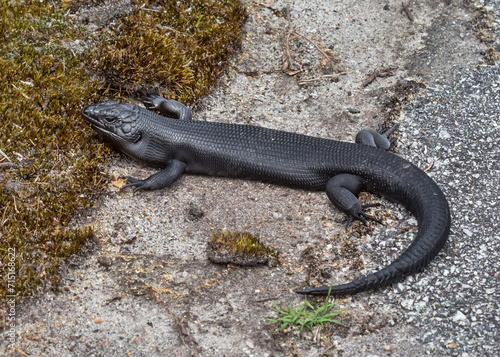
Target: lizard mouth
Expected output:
[96,123]
[109,127]
[87,115]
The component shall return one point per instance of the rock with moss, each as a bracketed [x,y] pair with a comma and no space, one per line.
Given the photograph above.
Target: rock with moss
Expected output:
[239,248]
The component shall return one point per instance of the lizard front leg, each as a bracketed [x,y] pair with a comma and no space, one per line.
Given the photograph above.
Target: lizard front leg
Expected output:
[159,180]
[168,108]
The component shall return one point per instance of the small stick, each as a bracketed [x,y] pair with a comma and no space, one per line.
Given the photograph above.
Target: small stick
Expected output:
[326,76]
[265,5]
[3,154]
[291,31]
[408,12]
[146,9]
[315,45]
[382,73]
[21,352]
[7,165]
[370,79]
[288,65]
[177,31]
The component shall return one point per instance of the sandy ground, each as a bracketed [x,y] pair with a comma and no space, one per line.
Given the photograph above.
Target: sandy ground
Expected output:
[145,287]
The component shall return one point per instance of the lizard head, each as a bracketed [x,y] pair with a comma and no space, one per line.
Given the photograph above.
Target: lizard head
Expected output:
[115,122]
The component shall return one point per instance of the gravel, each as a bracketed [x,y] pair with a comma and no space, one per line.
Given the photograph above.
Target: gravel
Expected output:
[457,128]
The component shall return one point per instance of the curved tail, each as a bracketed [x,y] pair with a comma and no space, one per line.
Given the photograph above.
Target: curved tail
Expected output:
[427,202]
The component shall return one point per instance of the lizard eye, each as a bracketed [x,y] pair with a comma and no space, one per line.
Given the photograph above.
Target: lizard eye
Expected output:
[109,119]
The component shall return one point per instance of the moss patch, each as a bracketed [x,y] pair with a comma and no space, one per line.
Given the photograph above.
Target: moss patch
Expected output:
[239,248]
[50,166]
[173,47]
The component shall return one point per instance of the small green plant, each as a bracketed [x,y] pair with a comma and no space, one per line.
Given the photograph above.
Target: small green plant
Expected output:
[306,315]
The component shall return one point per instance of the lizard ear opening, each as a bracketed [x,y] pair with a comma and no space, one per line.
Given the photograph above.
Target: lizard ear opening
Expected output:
[129,133]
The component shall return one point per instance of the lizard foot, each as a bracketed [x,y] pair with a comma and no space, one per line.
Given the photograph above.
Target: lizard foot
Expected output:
[388,132]
[152,101]
[378,138]
[360,215]
[138,185]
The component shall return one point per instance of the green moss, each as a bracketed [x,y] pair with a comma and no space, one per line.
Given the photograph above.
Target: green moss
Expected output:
[52,168]
[176,48]
[75,5]
[241,242]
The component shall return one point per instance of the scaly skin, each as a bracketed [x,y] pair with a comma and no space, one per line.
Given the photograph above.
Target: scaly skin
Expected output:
[243,151]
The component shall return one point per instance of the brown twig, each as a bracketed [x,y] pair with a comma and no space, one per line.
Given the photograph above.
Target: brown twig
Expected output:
[328,57]
[382,73]
[7,165]
[267,6]
[429,167]
[370,79]
[4,155]
[408,12]
[326,76]
[22,353]
[288,61]
[386,71]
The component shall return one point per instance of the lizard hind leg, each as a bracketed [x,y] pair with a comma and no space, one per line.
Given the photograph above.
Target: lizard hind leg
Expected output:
[342,190]
[377,139]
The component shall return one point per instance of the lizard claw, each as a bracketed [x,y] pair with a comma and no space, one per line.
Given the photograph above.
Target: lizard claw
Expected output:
[377,138]
[152,101]
[360,215]
[388,132]
[138,185]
